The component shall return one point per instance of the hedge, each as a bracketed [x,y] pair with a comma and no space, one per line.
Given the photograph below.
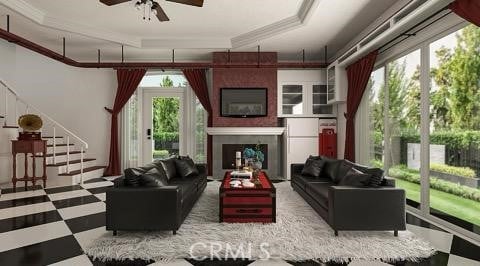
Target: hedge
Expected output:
[458,139]
[453,170]
[413,176]
[165,136]
[161,154]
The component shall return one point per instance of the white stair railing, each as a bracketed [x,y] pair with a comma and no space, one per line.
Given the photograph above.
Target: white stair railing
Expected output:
[54,124]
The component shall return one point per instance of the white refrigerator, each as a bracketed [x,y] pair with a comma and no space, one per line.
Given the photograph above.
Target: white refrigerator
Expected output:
[299,141]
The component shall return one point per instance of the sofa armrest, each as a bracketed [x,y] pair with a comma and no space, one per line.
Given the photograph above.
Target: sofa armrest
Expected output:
[139,207]
[354,208]
[296,168]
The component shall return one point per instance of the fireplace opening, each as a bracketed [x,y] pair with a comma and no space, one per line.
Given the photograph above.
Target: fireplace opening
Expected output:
[229,150]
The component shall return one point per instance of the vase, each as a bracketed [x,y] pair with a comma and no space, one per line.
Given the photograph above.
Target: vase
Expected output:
[257,165]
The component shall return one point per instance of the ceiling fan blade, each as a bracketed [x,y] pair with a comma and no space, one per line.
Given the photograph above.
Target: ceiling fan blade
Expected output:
[160,13]
[113,2]
[189,2]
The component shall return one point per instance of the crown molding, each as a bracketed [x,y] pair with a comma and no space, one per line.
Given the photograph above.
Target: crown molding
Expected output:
[38,16]
[44,19]
[301,18]
[187,43]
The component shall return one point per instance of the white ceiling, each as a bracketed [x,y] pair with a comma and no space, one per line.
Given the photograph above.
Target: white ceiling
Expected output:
[285,26]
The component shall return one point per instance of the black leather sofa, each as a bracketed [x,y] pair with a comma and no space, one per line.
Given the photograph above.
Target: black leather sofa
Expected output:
[151,208]
[351,208]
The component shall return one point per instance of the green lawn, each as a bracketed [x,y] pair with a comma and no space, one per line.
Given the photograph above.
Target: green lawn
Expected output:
[459,207]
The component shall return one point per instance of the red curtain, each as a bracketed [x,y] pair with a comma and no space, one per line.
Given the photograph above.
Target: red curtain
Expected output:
[358,75]
[198,81]
[128,81]
[467,9]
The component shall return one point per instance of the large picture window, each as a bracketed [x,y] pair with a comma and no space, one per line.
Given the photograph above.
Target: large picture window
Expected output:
[448,102]
[455,126]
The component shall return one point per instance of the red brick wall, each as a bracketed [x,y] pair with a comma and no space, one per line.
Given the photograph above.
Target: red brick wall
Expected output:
[245,77]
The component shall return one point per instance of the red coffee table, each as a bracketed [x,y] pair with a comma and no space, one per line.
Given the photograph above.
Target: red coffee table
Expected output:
[248,205]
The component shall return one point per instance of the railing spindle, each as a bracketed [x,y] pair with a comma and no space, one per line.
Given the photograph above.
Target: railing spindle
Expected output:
[54,145]
[6,107]
[68,154]
[81,164]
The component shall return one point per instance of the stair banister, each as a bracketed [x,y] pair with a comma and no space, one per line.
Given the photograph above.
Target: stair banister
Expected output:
[83,146]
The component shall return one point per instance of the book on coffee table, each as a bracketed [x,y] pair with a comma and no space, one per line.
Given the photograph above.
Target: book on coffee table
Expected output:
[241,174]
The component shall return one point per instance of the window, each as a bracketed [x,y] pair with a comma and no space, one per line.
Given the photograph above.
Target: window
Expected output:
[176,80]
[449,187]
[200,133]
[376,109]
[403,105]
[455,126]
[130,129]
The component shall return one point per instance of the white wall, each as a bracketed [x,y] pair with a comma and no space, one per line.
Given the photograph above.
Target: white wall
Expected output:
[75,97]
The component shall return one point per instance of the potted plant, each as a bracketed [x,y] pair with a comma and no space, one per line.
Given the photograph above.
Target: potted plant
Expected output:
[254,157]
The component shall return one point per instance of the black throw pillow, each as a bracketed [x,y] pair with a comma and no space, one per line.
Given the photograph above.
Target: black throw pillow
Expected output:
[133,176]
[169,167]
[313,167]
[335,169]
[376,174]
[185,167]
[153,178]
[355,178]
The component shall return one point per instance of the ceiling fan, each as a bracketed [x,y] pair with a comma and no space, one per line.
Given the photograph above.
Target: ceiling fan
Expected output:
[152,7]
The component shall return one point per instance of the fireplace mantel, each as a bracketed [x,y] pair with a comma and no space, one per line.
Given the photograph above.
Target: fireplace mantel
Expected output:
[232,131]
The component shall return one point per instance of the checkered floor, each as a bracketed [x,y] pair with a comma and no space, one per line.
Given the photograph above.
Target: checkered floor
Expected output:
[51,226]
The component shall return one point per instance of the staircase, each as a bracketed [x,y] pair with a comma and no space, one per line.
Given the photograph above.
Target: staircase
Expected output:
[67,160]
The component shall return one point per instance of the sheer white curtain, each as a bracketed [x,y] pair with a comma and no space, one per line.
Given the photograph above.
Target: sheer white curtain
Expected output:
[130,132]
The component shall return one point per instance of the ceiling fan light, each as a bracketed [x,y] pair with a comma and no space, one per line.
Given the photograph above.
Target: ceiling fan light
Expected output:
[154,12]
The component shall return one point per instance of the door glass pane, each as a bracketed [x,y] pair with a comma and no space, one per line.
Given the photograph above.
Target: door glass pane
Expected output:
[166,117]
[292,99]
[403,159]
[376,106]
[455,128]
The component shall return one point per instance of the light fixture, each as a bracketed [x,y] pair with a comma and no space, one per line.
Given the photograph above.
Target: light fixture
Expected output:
[147,6]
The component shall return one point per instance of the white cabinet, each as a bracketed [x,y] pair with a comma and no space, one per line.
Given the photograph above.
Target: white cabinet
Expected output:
[303,93]
[337,84]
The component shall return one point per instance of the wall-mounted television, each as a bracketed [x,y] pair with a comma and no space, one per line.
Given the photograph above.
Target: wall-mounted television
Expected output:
[243,102]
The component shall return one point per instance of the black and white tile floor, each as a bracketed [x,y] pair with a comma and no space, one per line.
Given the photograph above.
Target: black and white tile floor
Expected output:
[51,226]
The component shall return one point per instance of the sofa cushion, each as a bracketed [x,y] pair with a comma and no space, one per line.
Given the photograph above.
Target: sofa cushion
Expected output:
[319,191]
[313,167]
[133,176]
[169,167]
[185,167]
[153,178]
[376,174]
[355,178]
[335,169]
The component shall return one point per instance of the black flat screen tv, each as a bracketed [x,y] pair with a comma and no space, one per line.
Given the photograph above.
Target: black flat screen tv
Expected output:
[243,102]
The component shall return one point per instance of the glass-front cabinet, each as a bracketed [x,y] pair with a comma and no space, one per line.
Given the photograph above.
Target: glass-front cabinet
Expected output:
[304,93]
[292,99]
[320,104]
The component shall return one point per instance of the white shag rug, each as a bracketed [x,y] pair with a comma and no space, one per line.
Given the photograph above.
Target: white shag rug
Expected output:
[299,234]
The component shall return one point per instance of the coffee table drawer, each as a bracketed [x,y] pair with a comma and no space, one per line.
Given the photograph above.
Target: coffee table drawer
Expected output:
[247,211]
[247,200]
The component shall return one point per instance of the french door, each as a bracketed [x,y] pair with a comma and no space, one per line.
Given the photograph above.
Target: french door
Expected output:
[163,127]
